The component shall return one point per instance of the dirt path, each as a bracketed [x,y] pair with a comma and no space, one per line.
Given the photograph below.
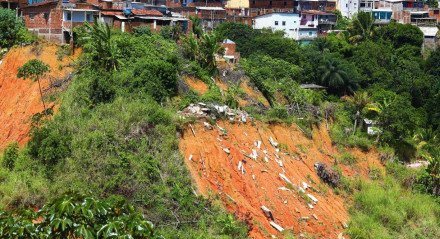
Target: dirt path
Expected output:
[216,174]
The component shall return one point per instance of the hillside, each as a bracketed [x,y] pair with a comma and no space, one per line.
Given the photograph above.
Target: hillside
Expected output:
[20,99]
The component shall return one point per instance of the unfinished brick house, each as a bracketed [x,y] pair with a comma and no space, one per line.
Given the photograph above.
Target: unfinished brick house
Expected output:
[55,20]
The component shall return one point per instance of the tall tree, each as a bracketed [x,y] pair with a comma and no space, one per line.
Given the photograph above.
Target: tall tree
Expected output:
[34,70]
[337,78]
[361,27]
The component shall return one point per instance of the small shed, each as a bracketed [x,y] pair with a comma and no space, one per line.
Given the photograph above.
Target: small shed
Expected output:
[231,55]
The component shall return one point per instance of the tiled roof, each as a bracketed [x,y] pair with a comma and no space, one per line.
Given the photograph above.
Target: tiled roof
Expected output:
[145,12]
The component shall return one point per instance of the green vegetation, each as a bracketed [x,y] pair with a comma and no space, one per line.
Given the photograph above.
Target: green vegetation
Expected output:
[12,29]
[115,133]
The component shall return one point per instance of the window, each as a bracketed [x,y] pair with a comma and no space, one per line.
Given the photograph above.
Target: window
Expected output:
[270,3]
[89,17]
[284,23]
[31,16]
[276,23]
[253,2]
[68,16]
[285,3]
[310,33]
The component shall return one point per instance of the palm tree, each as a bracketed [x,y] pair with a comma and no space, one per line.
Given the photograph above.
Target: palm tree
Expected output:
[105,51]
[196,25]
[360,99]
[334,76]
[361,27]
[34,70]
[209,47]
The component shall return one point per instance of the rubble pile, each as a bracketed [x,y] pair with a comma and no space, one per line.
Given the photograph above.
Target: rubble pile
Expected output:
[327,174]
[214,111]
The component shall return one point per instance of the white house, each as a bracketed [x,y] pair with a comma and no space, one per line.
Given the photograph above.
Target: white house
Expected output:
[287,22]
[348,7]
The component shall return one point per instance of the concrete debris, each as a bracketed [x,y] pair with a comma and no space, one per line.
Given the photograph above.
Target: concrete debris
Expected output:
[305,185]
[341,236]
[220,140]
[254,154]
[266,158]
[273,142]
[267,212]
[276,226]
[283,189]
[241,166]
[314,216]
[315,201]
[344,225]
[258,144]
[310,206]
[283,177]
[327,174]
[202,110]
[227,150]
[304,218]
[207,125]
[190,157]
[418,164]
[253,176]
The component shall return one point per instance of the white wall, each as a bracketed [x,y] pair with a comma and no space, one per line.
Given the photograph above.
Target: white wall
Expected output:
[348,7]
[287,22]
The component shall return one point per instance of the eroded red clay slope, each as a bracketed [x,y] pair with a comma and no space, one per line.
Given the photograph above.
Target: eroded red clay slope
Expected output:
[20,99]
[215,172]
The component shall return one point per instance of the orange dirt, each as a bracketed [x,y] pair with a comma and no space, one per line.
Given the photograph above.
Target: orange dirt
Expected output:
[215,172]
[254,94]
[197,85]
[20,99]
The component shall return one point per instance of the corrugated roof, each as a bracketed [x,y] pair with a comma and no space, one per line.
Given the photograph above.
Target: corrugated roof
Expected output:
[429,31]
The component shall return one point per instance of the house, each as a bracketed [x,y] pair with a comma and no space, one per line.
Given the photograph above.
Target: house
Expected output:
[422,18]
[55,20]
[322,21]
[231,55]
[348,8]
[430,37]
[367,5]
[211,16]
[434,13]
[265,4]
[396,7]
[317,5]
[289,23]
[382,15]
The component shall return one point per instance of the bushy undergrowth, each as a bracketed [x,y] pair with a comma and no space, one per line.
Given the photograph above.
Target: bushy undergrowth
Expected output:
[386,210]
[115,135]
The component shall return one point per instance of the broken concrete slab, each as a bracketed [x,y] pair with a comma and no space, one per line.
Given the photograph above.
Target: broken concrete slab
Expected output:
[273,142]
[314,216]
[190,157]
[227,150]
[305,185]
[283,177]
[267,212]
[315,201]
[276,226]
[283,189]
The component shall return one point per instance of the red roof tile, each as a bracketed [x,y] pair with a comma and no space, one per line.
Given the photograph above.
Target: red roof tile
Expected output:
[145,12]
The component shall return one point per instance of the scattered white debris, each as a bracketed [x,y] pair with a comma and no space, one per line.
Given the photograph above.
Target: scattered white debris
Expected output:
[310,205]
[267,212]
[344,225]
[276,226]
[283,189]
[258,144]
[207,125]
[266,158]
[227,150]
[341,236]
[254,154]
[283,177]
[314,216]
[253,176]
[418,164]
[219,139]
[241,167]
[305,185]
[190,157]
[313,198]
[273,142]
[301,189]
[304,218]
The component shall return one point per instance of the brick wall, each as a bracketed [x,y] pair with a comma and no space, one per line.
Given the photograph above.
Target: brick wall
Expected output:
[45,21]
